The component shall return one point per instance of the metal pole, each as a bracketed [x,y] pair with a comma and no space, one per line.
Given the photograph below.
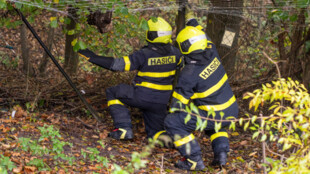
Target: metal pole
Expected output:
[90,108]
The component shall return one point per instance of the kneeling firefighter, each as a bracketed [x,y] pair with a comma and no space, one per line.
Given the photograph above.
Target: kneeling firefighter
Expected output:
[152,87]
[203,81]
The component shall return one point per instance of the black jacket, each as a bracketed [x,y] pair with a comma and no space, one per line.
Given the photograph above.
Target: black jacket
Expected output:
[203,80]
[156,65]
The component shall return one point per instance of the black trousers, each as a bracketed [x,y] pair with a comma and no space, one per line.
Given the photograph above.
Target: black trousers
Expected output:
[153,113]
[176,127]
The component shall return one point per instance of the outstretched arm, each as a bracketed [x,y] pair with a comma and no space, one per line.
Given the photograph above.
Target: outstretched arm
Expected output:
[126,63]
[105,62]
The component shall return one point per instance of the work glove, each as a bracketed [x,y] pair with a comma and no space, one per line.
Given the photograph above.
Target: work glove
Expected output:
[189,13]
[86,54]
[104,62]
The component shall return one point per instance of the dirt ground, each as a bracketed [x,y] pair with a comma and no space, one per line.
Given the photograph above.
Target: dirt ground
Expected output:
[49,100]
[65,112]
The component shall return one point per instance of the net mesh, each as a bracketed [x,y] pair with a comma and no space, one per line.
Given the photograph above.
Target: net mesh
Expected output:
[256,32]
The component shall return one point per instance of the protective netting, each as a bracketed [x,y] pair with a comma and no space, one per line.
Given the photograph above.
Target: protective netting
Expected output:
[247,21]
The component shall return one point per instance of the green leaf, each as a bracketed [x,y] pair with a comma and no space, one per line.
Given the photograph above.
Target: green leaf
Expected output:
[194,108]
[293,17]
[264,137]
[253,119]
[73,43]
[217,126]
[246,125]
[2,4]
[198,123]
[204,125]
[255,135]
[76,47]
[173,110]
[222,114]
[240,121]
[188,110]
[154,19]
[232,125]
[71,32]
[54,24]
[67,21]
[143,25]
[18,5]
[187,118]
[303,3]
[124,10]
[82,45]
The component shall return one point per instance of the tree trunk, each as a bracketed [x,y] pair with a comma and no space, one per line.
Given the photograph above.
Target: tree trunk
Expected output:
[71,57]
[293,56]
[43,64]
[306,62]
[27,67]
[223,29]
[306,72]
[180,19]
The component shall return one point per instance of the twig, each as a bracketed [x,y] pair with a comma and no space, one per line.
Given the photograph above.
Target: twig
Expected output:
[162,164]
[263,147]
[35,101]
[232,120]
[86,125]
[276,63]
[280,155]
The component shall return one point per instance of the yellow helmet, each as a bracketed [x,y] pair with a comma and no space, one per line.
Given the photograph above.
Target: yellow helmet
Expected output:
[159,31]
[191,39]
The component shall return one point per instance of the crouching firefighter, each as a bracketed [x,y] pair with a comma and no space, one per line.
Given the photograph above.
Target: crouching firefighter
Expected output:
[152,87]
[204,82]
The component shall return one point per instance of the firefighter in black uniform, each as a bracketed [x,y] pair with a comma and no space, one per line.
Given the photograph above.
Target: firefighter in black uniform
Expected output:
[204,82]
[152,87]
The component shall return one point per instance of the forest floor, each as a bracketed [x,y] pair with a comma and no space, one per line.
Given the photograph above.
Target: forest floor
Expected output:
[63,138]
[45,128]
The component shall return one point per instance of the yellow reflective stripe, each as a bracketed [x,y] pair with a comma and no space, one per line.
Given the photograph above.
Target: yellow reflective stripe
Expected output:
[180,97]
[127,63]
[219,107]
[184,140]
[180,61]
[211,90]
[123,134]
[155,86]
[199,27]
[156,74]
[157,134]
[218,134]
[85,57]
[194,164]
[209,44]
[114,102]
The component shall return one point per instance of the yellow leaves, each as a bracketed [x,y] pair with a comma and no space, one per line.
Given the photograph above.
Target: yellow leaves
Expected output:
[74,42]
[235,134]
[276,110]
[56,1]
[246,125]
[248,95]
[53,18]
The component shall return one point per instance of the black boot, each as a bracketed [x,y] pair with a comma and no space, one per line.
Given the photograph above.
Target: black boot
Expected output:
[121,134]
[188,164]
[220,159]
